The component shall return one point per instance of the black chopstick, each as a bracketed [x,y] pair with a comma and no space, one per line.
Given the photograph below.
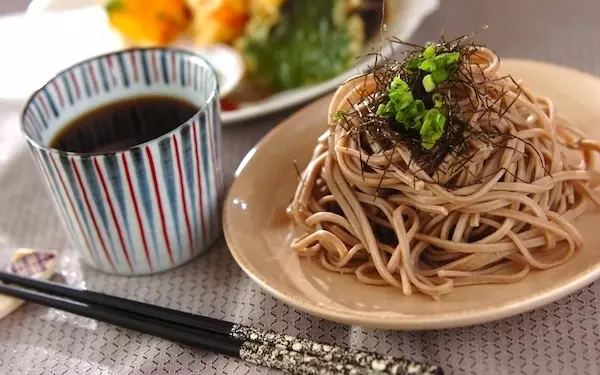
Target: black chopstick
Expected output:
[331,353]
[265,355]
[88,296]
[209,341]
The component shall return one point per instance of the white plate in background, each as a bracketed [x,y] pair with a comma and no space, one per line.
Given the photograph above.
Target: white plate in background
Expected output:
[407,16]
[42,44]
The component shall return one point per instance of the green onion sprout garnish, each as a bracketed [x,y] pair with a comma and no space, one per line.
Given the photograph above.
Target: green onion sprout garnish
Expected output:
[413,113]
[415,106]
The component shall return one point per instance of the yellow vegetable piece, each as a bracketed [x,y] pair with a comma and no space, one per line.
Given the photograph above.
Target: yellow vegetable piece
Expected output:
[218,21]
[154,21]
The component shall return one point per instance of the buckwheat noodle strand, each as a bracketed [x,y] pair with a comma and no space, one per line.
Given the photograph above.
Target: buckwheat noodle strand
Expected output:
[510,210]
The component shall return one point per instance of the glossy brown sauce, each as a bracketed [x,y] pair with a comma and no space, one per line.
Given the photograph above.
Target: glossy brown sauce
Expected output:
[123,124]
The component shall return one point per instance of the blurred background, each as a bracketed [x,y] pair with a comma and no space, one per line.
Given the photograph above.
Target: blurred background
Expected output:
[258,32]
[558,31]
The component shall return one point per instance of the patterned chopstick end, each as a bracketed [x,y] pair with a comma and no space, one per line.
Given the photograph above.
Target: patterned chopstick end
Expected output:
[352,361]
[282,358]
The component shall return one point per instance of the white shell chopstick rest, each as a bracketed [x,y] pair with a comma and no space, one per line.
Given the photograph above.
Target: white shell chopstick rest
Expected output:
[37,264]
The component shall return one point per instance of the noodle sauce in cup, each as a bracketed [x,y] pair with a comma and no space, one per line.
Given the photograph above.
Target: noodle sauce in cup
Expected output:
[129,145]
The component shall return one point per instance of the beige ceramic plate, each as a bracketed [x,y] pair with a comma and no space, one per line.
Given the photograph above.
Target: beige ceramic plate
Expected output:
[259,233]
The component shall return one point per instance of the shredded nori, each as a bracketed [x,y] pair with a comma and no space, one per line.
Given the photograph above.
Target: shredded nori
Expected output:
[362,120]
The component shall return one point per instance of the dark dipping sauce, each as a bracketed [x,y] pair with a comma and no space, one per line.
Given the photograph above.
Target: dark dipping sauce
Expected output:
[123,124]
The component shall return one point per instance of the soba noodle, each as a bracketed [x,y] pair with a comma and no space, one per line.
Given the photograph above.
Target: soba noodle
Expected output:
[508,209]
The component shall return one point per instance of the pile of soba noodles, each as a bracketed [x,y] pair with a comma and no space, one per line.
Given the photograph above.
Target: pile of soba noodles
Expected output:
[478,191]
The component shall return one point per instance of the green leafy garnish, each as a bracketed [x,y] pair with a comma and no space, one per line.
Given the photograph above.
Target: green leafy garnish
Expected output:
[446,59]
[412,113]
[429,51]
[304,47]
[427,65]
[428,83]
[439,75]
[438,100]
[439,66]
[402,106]
[339,115]
[433,128]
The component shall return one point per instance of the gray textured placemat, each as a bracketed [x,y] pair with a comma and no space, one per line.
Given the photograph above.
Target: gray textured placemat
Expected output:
[562,338]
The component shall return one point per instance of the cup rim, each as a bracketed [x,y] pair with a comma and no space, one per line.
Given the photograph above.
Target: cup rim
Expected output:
[211,98]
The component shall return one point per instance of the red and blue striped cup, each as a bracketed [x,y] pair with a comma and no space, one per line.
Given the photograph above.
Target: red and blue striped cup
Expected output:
[148,208]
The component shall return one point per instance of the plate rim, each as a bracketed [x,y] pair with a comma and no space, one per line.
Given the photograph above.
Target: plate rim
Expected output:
[462,318]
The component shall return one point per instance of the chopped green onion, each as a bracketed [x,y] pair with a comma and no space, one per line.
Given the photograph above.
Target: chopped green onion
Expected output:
[398,83]
[439,75]
[429,51]
[437,100]
[428,83]
[411,112]
[415,62]
[427,66]
[446,59]
[339,115]
[432,128]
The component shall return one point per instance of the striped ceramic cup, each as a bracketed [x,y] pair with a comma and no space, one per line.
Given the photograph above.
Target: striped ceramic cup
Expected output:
[150,207]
